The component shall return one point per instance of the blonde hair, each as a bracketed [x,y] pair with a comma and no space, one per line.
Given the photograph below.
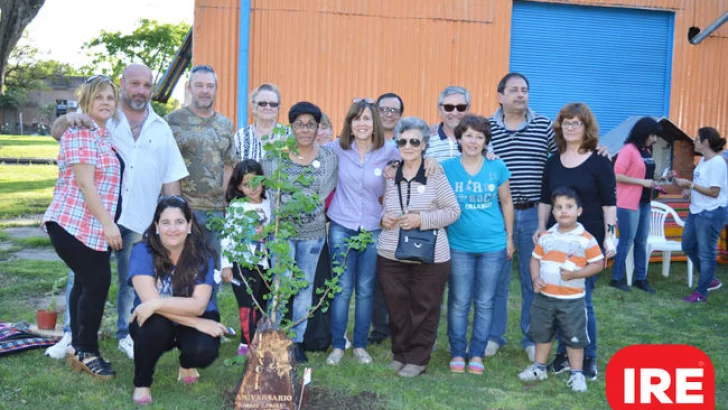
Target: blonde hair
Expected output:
[88,90]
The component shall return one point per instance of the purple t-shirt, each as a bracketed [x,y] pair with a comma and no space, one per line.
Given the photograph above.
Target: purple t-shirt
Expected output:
[357,199]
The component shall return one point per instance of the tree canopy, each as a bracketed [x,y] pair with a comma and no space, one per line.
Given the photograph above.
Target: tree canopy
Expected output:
[15,15]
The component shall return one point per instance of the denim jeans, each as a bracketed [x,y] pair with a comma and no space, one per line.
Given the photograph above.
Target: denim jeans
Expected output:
[699,240]
[473,281]
[125,295]
[525,223]
[306,253]
[359,273]
[211,237]
[591,321]
[634,227]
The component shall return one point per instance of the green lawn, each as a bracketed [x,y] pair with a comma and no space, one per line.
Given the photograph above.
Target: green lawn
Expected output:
[25,146]
[32,381]
[26,189]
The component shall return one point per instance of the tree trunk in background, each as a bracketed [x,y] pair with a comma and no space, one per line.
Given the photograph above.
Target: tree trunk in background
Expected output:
[15,15]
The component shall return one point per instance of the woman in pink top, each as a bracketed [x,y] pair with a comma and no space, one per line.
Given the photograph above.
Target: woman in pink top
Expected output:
[635,170]
[81,220]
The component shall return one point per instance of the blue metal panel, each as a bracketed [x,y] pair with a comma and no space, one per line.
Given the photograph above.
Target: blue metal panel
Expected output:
[616,60]
[243,61]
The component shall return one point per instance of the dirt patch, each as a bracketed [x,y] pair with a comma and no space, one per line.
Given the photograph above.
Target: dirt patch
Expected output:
[316,398]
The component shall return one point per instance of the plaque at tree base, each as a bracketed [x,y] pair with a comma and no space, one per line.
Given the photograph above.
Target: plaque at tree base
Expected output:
[269,376]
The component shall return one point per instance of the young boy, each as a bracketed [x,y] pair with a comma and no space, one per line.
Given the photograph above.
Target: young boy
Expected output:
[563,257]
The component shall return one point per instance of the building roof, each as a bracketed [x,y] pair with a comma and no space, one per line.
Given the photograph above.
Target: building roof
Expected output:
[614,139]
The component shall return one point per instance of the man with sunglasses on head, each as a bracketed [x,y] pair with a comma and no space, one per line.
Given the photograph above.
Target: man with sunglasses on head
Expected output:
[453,104]
[391,108]
[153,165]
[205,139]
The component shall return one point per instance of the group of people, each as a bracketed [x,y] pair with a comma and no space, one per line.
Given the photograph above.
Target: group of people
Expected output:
[484,188]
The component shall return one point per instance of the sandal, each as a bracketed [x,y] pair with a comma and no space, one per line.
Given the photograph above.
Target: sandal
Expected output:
[188,376]
[142,399]
[91,363]
[457,365]
[475,367]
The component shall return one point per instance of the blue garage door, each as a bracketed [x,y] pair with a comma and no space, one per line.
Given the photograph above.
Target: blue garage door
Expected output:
[616,60]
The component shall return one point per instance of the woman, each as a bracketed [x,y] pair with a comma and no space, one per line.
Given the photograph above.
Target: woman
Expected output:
[325,132]
[319,163]
[363,156]
[413,291]
[172,272]
[635,170]
[480,240]
[265,103]
[708,211]
[576,134]
[81,220]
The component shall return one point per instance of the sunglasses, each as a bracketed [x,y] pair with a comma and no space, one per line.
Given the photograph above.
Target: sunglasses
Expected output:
[388,110]
[414,142]
[366,100]
[204,68]
[268,104]
[450,107]
[94,77]
[170,198]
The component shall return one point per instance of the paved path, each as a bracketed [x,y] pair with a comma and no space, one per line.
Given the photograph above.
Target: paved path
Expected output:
[34,254]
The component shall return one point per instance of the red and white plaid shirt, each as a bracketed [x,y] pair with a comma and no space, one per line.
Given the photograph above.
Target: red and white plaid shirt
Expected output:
[68,208]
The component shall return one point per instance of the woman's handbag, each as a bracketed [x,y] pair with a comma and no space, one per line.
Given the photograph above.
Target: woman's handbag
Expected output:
[415,244]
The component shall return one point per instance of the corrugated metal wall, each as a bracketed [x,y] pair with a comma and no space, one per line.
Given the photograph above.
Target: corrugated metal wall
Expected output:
[329,51]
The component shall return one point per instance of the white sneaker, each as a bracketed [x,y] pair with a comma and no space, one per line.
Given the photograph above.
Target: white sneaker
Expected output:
[532,373]
[577,382]
[348,343]
[126,345]
[58,350]
[491,348]
[531,353]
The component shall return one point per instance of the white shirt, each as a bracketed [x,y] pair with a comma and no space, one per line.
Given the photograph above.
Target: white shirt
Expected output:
[713,172]
[150,161]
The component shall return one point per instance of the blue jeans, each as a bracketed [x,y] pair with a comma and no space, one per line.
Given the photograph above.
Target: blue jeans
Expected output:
[473,281]
[125,295]
[360,273]
[699,239]
[525,223]
[306,253]
[634,227]
[591,321]
[212,237]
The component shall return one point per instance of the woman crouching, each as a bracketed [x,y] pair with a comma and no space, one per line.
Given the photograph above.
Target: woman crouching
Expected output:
[172,272]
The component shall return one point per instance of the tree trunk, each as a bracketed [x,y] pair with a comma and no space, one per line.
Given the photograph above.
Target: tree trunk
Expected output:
[15,15]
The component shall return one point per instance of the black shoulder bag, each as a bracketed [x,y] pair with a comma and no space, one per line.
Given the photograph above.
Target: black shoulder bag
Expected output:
[415,244]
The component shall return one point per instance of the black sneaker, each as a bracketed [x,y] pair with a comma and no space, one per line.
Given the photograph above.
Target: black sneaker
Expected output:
[590,368]
[619,284]
[375,338]
[644,285]
[300,354]
[560,364]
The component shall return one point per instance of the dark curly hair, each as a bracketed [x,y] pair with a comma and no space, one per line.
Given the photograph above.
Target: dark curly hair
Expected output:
[243,168]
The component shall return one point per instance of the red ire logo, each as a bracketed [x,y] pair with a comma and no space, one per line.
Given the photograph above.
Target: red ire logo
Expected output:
[661,377]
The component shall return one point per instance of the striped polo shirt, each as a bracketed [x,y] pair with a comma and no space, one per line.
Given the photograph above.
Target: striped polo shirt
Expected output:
[525,151]
[440,146]
[554,248]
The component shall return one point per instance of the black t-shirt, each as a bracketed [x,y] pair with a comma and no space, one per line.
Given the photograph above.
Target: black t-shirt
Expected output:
[594,182]
[649,174]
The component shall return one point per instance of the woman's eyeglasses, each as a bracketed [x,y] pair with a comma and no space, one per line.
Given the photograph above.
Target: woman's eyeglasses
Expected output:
[571,125]
[96,76]
[414,142]
[366,100]
[451,107]
[267,104]
[301,126]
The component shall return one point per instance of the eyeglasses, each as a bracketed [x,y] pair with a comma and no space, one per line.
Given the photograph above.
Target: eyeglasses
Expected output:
[450,107]
[366,100]
[165,198]
[268,104]
[308,125]
[204,68]
[94,77]
[414,142]
[571,125]
[388,110]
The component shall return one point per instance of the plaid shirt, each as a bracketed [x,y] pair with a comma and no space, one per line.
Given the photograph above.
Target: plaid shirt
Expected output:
[68,208]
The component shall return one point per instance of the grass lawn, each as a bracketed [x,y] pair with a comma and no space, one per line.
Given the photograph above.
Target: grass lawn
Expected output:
[32,381]
[25,189]
[25,146]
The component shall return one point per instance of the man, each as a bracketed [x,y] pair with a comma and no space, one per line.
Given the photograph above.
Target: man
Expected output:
[390,108]
[452,105]
[153,164]
[205,139]
[523,140]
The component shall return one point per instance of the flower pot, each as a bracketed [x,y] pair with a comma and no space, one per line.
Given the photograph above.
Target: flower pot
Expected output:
[46,319]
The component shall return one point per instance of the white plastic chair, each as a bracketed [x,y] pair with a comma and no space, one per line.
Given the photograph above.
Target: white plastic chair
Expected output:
[656,241]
